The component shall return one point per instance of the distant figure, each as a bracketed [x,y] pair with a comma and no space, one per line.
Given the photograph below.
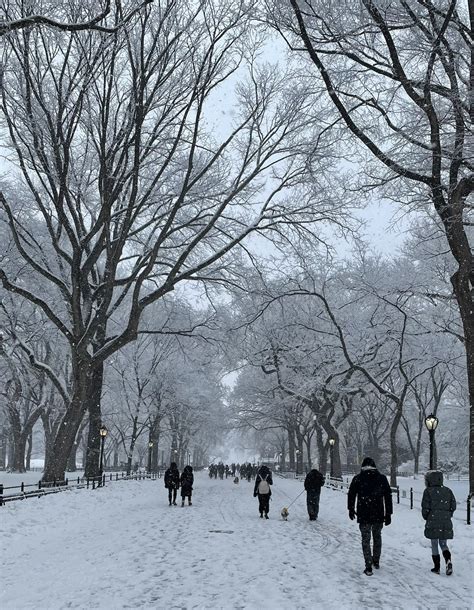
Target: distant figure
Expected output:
[437,507]
[172,482]
[220,468]
[263,490]
[313,483]
[374,508]
[227,470]
[187,481]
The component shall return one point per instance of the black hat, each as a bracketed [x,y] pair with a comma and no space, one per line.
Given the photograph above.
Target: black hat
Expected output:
[368,461]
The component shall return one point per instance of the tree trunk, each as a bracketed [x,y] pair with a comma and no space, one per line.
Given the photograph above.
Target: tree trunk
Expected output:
[69,425]
[3,448]
[92,465]
[291,448]
[132,444]
[29,451]
[393,444]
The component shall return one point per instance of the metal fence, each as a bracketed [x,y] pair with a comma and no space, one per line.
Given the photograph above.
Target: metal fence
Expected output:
[35,490]
[411,497]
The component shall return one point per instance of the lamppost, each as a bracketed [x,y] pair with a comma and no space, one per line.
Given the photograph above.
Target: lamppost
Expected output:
[280,459]
[150,449]
[332,442]
[189,458]
[297,461]
[103,433]
[431,423]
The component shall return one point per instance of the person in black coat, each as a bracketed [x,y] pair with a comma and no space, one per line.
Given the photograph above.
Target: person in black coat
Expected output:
[187,481]
[262,489]
[313,482]
[374,508]
[172,482]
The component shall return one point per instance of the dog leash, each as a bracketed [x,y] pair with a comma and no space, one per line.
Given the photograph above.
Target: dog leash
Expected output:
[296,498]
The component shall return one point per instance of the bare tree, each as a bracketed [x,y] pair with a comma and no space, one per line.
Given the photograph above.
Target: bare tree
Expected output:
[415,117]
[134,197]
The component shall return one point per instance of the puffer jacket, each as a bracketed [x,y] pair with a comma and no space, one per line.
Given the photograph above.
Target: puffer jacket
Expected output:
[437,507]
[314,480]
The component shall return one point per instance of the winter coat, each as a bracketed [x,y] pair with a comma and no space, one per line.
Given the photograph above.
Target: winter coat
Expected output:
[263,473]
[172,478]
[187,480]
[374,496]
[437,507]
[314,481]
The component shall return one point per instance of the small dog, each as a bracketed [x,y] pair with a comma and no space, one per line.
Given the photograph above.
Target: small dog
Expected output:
[284,513]
[236,480]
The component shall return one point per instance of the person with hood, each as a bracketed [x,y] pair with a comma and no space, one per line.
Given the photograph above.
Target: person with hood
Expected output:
[437,507]
[187,481]
[172,482]
[313,482]
[374,508]
[262,489]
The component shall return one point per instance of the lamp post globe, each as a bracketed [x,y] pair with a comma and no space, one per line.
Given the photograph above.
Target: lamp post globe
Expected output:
[431,423]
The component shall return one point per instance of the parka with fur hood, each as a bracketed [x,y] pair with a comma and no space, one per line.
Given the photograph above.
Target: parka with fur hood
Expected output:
[437,507]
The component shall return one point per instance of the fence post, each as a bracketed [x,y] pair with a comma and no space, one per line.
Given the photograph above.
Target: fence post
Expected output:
[22,487]
[411,497]
[54,483]
[93,482]
[111,475]
[87,482]
[103,480]
[398,494]
[468,509]
[1,494]
[116,476]
[39,484]
[78,480]
[67,482]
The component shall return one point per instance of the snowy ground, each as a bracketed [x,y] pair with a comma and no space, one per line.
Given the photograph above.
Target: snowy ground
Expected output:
[123,547]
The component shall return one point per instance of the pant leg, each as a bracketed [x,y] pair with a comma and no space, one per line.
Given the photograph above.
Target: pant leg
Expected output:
[365,530]
[261,503]
[443,545]
[377,536]
[175,493]
[312,503]
[170,492]
[266,503]
[434,546]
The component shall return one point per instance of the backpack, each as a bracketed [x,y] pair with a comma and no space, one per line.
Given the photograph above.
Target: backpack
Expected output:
[263,486]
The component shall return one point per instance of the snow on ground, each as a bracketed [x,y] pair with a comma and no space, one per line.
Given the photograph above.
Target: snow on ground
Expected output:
[122,546]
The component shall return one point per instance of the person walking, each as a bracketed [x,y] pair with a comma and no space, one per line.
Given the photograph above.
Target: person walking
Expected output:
[172,482]
[437,508]
[187,481]
[263,490]
[313,482]
[374,509]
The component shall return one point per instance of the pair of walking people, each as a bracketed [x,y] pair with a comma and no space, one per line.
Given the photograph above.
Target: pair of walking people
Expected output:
[173,481]
[375,508]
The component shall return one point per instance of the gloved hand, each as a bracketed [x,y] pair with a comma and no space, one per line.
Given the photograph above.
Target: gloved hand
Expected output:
[255,495]
[388,520]
[352,515]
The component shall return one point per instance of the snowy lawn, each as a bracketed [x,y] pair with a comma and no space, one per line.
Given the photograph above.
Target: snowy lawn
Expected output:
[122,546]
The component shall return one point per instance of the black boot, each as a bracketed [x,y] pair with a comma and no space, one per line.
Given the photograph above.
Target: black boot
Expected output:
[376,563]
[449,565]
[437,563]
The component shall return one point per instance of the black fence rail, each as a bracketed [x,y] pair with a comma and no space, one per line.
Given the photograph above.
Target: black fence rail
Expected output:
[407,497]
[23,491]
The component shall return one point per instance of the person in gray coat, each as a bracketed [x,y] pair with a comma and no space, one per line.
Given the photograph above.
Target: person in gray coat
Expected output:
[437,507]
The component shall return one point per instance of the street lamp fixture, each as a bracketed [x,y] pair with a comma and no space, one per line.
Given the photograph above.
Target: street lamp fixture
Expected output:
[332,442]
[150,449]
[103,433]
[431,423]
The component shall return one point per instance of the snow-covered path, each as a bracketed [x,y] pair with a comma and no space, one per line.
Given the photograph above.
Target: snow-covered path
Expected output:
[124,547]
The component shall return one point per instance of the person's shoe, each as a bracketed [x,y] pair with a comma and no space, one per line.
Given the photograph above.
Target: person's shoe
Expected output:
[174,504]
[368,571]
[182,503]
[436,561]
[266,515]
[449,565]
[190,503]
[376,563]
[261,515]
